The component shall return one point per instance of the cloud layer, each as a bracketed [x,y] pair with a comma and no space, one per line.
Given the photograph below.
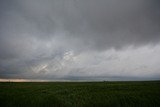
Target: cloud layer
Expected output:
[79,38]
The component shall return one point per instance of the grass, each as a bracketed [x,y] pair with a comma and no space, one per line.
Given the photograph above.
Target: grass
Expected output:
[80,94]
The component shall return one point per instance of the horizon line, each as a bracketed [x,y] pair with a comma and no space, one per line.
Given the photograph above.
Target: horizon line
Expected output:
[41,80]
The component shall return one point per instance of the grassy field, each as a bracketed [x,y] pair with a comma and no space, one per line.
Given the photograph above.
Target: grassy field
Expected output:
[80,94]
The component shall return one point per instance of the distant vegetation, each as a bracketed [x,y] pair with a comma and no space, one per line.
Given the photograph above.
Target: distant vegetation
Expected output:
[80,94]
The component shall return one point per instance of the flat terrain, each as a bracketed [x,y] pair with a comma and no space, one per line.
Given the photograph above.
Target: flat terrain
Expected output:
[80,94]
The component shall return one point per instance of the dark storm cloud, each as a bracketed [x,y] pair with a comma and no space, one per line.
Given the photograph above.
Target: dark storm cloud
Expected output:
[100,24]
[43,39]
[108,24]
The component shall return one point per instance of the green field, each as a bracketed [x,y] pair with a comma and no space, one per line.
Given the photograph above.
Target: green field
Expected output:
[80,94]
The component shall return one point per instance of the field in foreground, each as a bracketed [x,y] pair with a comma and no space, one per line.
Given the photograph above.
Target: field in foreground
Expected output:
[80,94]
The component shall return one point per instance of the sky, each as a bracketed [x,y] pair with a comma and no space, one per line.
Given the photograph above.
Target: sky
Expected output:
[80,39]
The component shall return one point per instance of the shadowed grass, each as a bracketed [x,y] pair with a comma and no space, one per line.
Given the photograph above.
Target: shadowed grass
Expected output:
[80,94]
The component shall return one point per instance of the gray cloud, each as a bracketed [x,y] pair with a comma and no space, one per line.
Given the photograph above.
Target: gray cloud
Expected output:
[60,39]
